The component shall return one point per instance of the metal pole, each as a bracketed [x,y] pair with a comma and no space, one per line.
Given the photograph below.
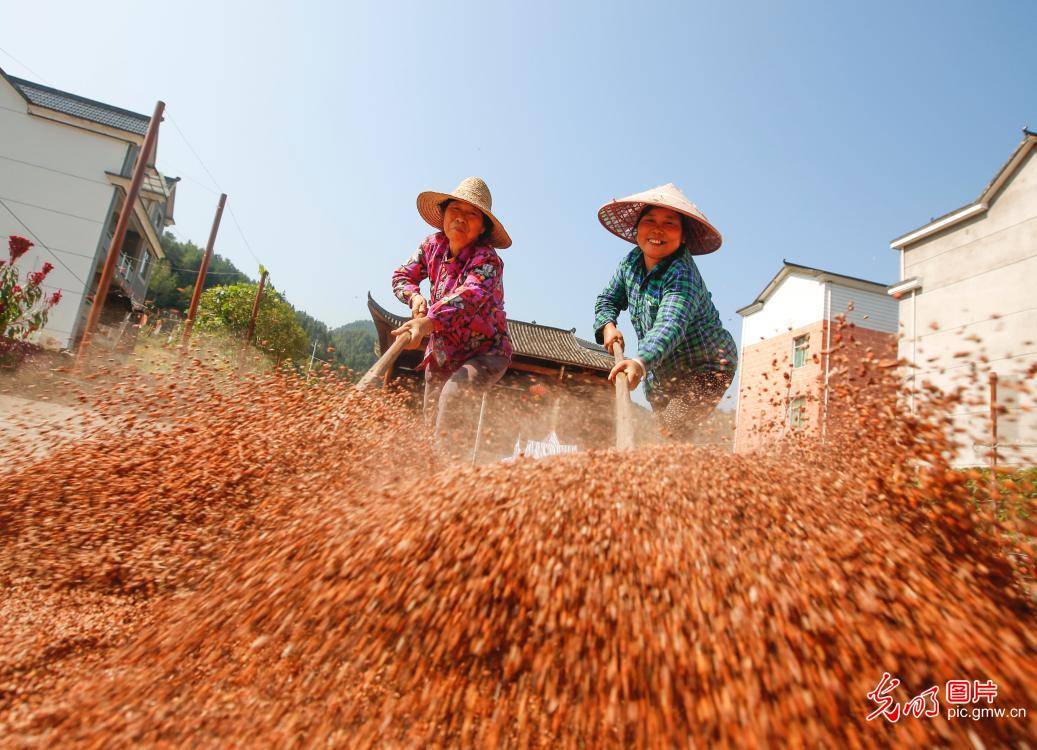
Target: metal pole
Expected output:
[312,355]
[993,421]
[624,407]
[478,428]
[203,269]
[994,489]
[255,308]
[115,248]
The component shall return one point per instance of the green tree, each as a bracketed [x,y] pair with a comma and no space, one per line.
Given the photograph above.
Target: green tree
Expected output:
[318,331]
[227,309]
[172,282]
[355,345]
[162,289]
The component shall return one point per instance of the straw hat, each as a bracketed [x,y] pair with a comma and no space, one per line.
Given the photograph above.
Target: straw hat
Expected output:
[472,191]
[620,217]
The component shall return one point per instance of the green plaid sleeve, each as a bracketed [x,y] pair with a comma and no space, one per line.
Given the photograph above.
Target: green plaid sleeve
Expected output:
[678,307]
[611,302]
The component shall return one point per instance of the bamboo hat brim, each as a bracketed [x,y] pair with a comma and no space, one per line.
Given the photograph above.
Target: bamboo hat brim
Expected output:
[621,216]
[472,191]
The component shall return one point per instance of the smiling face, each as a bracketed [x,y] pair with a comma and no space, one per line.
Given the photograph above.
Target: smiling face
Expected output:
[659,234]
[462,224]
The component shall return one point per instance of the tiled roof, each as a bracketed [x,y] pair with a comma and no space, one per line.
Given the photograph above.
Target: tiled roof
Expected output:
[78,106]
[154,182]
[557,344]
[532,340]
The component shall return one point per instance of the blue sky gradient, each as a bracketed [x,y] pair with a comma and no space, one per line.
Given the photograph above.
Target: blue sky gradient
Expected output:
[810,131]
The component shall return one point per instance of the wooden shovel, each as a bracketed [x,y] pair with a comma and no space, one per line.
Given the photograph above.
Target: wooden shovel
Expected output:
[385,362]
[624,407]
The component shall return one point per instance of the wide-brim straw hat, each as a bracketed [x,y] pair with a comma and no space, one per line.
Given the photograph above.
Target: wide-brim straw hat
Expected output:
[472,191]
[621,216]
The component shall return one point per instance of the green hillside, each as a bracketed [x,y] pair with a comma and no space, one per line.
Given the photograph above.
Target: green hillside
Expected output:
[352,344]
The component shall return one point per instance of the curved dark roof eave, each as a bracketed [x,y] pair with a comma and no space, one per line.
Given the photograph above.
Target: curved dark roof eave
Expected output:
[530,340]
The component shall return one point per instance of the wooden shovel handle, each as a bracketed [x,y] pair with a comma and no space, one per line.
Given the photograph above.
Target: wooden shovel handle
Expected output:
[624,407]
[385,362]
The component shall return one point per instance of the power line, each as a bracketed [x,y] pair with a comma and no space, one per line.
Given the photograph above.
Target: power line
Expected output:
[24,65]
[51,210]
[243,237]
[61,289]
[216,182]
[56,171]
[41,243]
[210,273]
[70,252]
[196,156]
[194,181]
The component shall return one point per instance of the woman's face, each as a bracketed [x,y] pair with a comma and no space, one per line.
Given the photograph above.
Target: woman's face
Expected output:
[659,233]
[462,224]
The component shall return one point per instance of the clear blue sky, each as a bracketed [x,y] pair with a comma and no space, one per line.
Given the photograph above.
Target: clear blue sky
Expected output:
[811,131]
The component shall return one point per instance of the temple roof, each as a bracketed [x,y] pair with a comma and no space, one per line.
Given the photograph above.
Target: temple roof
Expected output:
[530,340]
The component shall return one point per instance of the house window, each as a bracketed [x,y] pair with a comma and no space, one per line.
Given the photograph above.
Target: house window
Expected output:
[145,260]
[797,412]
[157,215]
[800,347]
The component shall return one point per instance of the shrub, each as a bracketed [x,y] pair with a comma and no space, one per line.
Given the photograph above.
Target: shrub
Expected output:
[23,304]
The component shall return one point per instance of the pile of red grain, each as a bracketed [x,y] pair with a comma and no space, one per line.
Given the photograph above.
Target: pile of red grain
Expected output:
[274,561]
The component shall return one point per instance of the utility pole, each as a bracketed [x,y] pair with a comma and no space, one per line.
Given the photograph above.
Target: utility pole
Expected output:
[995,492]
[255,307]
[993,421]
[312,355]
[115,248]
[203,269]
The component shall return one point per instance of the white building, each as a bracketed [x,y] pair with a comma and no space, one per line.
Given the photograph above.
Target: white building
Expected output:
[968,305]
[65,166]
[785,373]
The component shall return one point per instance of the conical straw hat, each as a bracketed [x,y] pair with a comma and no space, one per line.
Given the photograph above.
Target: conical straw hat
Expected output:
[621,216]
[472,191]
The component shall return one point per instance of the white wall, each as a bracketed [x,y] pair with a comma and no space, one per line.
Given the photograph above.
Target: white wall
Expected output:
[52,177]
[798,301]
[979,301]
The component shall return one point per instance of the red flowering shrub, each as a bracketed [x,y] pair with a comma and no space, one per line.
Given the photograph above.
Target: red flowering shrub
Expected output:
[23,308]
[19,246]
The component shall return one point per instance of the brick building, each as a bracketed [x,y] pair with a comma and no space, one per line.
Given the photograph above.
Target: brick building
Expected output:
[786,375]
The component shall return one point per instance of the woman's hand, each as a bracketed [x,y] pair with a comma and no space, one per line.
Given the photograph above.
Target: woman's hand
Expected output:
[633,369]
[611,335]
[418,328]
[418,306]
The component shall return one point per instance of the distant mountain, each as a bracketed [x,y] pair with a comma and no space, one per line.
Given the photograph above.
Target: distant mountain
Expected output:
[361,325]
[355,345]
[352,344]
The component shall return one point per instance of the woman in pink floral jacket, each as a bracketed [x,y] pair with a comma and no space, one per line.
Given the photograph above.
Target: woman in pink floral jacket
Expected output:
[468,348]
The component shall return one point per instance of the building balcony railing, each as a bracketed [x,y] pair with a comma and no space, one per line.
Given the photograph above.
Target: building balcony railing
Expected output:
[129,279]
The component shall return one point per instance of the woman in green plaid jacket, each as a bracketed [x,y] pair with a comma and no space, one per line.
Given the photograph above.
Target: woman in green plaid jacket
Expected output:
[685,355]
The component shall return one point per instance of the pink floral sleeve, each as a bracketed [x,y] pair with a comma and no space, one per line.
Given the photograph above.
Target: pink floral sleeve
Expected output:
[406,280]
[470,299]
